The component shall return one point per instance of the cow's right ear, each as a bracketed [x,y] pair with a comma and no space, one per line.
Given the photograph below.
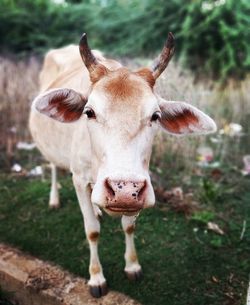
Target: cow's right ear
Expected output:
[64,105]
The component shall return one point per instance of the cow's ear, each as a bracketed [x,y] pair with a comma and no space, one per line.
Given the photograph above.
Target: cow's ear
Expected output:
[64,105]
[180,118]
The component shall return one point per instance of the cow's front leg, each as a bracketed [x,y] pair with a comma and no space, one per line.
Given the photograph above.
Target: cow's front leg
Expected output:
[97,282]
[132,268]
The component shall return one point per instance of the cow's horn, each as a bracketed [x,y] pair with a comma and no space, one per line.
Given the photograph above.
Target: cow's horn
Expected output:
[86,54]
[163,59]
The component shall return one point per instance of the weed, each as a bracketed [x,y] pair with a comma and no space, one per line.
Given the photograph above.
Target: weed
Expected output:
[210,190]
[203,216]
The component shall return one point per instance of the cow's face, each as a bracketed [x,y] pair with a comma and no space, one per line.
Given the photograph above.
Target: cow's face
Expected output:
[122,115]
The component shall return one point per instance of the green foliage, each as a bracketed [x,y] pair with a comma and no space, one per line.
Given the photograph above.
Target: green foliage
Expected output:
[210,190]
[212,36]
[210,39]
[28,26]
[216,241]
[203,216]
[137,27]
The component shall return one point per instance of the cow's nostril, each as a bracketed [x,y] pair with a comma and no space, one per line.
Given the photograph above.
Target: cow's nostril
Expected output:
[109,188]
[141,190]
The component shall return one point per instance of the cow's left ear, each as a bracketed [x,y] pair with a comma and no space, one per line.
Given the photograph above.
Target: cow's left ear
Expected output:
[180,118]
[64,105]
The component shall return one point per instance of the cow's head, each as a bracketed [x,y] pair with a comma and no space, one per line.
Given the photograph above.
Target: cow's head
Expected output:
[122,114]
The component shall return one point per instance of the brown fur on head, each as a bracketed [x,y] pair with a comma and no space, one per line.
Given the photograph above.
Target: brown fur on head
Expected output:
[122,74]
[147,75]
[123,91]
[120,85]
[98,72]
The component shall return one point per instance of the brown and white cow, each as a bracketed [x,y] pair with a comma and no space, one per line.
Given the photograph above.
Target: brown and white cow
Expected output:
[112,115]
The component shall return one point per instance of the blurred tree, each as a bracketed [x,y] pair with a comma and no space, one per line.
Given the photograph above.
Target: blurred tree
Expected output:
[212,36]
[36,25]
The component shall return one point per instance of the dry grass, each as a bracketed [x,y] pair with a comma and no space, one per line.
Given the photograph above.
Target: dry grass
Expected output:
[19,85]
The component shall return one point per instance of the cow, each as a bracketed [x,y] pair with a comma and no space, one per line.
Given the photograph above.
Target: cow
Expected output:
[98,120]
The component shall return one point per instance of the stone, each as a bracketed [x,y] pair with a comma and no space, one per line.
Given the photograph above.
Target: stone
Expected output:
[35,282]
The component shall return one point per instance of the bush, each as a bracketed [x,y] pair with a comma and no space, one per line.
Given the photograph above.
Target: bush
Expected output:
[37,25]
[212,36]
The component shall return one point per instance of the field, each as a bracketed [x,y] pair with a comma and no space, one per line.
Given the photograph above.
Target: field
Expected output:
[194,250]
[183,261]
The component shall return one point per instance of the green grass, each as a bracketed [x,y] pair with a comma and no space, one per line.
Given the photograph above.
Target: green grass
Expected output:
[181,265]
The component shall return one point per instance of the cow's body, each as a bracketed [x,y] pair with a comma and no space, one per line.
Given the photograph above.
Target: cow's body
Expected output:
[108,149]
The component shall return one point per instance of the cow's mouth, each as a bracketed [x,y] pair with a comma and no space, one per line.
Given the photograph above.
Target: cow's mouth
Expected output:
[118,209]
[129,211]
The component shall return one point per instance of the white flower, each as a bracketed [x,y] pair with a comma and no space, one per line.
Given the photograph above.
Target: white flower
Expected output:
[208,6]
[17,168]
[235,129]
[25,145]
[232,130]
[216,140]
[36,171]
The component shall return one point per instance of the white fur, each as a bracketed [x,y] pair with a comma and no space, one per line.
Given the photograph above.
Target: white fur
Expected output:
[131,266]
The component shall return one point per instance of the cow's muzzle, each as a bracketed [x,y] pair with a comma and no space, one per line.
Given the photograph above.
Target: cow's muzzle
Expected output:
[125,197]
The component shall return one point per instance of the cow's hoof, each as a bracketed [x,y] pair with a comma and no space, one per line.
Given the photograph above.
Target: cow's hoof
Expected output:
[99,291]
[134,276]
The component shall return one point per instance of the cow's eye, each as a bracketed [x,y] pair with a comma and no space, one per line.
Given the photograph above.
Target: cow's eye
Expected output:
[156,116]
[90,113]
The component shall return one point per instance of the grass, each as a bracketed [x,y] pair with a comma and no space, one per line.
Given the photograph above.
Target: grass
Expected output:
[183,262]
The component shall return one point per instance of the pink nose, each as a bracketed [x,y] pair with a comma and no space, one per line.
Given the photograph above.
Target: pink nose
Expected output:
[125,194]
